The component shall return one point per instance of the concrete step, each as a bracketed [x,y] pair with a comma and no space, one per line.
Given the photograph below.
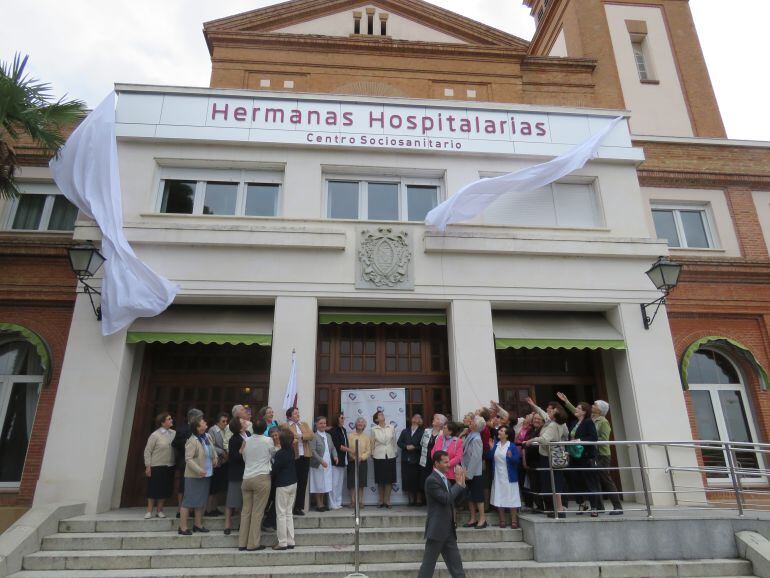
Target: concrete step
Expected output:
[200,557]
[69,541]
[523,569]
[132,520]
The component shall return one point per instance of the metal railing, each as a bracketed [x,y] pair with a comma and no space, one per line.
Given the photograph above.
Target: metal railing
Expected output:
[356,520]
[699,474]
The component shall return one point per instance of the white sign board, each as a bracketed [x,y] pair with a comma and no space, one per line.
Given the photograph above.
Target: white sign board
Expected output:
[327,122]
[363,403]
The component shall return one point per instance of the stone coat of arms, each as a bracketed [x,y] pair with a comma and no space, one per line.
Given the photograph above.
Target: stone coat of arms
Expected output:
[384,258]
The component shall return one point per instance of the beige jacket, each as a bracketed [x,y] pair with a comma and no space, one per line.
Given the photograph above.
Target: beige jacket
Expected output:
[364,446]
[383,442]
[195,457]
[158,451]
[307,437]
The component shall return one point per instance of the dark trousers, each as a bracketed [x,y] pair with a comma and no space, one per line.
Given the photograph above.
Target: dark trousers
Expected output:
[607,483]
[449,552]
[527,498]
[270,519]
[303,469]
[585,480]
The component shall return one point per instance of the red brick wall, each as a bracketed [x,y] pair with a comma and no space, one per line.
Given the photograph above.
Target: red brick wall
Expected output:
[37,291]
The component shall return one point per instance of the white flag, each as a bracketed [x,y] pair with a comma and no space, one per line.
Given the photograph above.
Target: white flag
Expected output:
[290,399]
[473,198]
[86,171]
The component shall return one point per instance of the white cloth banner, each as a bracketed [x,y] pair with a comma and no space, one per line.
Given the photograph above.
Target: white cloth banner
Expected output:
[474,197]
[363,403]
[86,171]
[290,399]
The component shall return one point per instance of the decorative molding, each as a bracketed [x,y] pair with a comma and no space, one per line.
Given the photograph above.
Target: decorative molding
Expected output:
[384,260]
[297,11]
[700,179]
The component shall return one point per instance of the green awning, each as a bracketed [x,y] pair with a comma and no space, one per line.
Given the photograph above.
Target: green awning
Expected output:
[383,318]
[41,347]
[205,324]
[503,343]
[727,342]
[207,338]
[554,330]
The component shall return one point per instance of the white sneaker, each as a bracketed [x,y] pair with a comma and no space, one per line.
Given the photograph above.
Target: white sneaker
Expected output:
[161,515]
[148,515]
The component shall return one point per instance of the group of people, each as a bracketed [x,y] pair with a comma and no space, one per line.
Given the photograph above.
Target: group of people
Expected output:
[259,468]
[521,460]
[263,469]
[583,473]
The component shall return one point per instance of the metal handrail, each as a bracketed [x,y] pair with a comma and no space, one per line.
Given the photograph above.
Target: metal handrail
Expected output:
[732,469]
[357,515]
[356,519]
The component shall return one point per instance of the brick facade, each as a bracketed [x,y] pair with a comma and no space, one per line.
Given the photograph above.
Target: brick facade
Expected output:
[37,291]
[720,295]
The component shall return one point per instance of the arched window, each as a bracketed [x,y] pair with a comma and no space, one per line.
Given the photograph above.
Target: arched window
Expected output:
[721,407]
[21,379]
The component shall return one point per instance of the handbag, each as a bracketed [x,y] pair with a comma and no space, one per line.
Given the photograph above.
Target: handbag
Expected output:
[559,457]
[576,451]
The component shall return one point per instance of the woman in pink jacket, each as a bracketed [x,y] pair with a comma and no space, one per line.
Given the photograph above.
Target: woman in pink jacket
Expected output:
[451,444]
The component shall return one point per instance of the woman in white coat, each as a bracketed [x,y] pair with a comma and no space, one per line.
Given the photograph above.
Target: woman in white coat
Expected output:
[324,455]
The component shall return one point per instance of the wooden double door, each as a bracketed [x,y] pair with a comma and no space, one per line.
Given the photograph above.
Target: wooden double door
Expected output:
[359,356]
[178,377]
[541,373]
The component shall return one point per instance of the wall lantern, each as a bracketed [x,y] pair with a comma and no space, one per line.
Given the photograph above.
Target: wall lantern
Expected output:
[665,275]
[85,261]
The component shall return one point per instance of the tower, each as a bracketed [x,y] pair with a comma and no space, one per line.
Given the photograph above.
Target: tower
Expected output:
[649,60]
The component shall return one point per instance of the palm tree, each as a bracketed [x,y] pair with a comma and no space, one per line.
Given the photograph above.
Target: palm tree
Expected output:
[28,109]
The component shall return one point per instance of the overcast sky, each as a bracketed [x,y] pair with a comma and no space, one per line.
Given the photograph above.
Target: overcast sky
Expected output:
[83,47]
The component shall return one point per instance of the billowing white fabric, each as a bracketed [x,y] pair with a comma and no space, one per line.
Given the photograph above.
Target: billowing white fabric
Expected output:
[474,197]
[86,171]
[290,399]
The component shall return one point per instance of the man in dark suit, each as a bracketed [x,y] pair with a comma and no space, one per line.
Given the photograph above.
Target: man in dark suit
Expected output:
[440,526]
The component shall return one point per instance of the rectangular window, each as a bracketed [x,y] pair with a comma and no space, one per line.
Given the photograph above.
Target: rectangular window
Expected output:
[220,198]
[370,24]
[343,200]
[29,212]
[640,59]
[381,200]
[41,211]
[219,192]
[421,199]
[563,204]
[685,227]
[261,200]
[178,197]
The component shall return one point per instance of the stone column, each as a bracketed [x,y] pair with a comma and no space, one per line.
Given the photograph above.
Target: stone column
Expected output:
[81,453]
[472,366]
[295,326]
[653,403]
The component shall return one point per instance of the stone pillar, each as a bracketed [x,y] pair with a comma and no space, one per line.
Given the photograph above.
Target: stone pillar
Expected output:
[81,454]
[295,326]
[653,405]
[472,366]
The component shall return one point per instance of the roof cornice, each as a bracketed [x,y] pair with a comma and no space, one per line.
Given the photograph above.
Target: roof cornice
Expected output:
[374,45]
[295,11]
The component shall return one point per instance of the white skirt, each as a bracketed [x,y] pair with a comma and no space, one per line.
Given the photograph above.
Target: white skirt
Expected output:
[505,494]
[321,481]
